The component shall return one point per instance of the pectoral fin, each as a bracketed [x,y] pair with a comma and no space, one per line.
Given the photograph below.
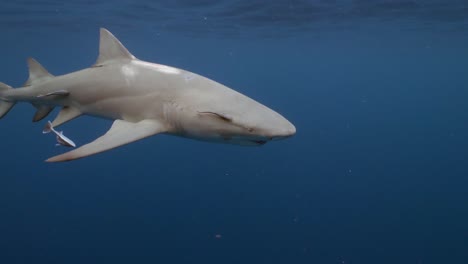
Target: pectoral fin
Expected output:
[121,133]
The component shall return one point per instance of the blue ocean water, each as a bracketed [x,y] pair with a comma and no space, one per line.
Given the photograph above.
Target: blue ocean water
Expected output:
[377,172]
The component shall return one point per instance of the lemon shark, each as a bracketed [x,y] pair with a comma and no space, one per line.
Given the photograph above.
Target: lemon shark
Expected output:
[144,99]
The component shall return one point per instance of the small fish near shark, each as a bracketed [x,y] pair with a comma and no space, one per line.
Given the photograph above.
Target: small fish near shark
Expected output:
[62,140]
[143,99]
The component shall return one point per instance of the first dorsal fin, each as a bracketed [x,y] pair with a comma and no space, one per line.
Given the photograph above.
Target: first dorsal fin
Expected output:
[110,49]
[36,72]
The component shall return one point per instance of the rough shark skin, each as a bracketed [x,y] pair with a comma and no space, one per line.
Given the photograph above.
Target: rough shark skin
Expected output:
[145,99]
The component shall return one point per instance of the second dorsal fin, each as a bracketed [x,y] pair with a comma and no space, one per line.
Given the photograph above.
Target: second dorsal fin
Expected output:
[36,72]
[110,49]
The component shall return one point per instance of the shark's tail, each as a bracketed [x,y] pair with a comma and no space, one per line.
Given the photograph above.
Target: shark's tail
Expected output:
[5,104]
[37,74]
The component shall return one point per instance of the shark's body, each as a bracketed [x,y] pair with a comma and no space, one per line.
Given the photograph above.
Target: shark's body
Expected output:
[145,99]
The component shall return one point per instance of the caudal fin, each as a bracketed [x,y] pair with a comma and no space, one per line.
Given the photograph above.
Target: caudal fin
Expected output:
[5,105]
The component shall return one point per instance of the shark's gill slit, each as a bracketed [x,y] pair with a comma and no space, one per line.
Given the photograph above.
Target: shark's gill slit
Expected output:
[220,116]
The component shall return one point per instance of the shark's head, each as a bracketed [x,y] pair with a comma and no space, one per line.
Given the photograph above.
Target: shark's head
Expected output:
[210,111]
[251,124]
[251,130]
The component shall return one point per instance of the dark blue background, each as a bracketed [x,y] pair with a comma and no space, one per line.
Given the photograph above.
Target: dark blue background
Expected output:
[377,172]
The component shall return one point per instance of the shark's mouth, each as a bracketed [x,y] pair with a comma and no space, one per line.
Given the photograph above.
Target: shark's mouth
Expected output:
[259,142]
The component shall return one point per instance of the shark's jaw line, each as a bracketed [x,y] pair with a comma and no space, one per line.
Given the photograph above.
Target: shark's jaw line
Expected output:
[144,99]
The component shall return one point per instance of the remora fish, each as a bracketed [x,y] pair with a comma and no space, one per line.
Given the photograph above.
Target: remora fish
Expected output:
[144,99]
[61,138]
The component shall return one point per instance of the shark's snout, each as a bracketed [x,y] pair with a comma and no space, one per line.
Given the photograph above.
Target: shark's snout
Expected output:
[277,128]
[285,131]
[289,129]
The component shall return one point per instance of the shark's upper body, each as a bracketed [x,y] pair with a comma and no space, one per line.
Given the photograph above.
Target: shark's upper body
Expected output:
[145,99]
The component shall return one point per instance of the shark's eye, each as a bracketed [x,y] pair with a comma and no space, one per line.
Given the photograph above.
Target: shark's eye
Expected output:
[223,117]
